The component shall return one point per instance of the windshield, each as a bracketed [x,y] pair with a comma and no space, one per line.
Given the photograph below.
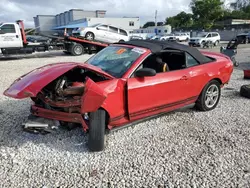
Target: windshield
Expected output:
[116,60]
[94,25]
[202,35]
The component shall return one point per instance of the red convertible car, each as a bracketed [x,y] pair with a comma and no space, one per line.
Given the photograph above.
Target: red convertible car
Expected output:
[123,83]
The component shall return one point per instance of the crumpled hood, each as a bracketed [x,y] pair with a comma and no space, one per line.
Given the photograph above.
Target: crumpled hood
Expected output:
[30,84]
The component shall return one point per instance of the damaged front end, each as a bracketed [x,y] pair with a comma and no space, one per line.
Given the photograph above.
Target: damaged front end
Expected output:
[68,99]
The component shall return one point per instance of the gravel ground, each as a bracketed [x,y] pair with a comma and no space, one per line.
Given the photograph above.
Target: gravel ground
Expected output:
[181,149]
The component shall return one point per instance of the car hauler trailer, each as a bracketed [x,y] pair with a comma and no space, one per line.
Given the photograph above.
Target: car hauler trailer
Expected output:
[13,40]
[77,46]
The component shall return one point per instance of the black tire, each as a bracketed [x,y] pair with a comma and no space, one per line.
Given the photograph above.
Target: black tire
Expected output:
[216,43]
[245,91]
[247,40]
[90,36]
[97,124]
[236,63]
[201,102]
[76,49]
[121,41]
[202,44]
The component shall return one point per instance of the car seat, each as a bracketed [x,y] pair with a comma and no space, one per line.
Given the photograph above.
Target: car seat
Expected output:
[161,66]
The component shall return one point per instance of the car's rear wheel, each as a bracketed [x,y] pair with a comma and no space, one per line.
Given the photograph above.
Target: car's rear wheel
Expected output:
[76,49]
[216,43]
[90,36]
[247,40]
[209,97]
[97,125]
[121,40]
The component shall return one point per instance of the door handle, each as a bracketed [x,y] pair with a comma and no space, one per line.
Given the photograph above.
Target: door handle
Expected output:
[184,78]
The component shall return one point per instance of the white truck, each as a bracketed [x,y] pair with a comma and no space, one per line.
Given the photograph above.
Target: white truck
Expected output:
[13,40]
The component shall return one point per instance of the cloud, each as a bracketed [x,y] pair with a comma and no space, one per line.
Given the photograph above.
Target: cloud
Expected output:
[11,10]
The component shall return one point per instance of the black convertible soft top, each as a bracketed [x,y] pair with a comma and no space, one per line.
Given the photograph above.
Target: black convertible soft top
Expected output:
[157,46]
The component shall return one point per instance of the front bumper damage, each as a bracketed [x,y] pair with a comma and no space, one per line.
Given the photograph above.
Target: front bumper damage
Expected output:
[60,116]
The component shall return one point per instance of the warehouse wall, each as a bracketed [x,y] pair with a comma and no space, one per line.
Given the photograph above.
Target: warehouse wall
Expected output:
[44,23]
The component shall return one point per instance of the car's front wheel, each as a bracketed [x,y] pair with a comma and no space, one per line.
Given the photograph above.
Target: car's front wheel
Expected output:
[90,36]
[209,97]
[97,125]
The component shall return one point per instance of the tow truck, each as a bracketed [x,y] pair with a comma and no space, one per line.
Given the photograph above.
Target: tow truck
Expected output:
[13,40]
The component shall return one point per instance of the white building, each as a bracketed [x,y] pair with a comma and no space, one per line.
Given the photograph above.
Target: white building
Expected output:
[78,18]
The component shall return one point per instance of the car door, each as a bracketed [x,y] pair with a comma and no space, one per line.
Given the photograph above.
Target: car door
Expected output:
[160,93]
[9,36]
[196,76]
[101,33]
[123,35]
[113,35]
[209,37]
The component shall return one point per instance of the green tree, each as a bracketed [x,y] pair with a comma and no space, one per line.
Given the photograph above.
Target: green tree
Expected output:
[182,19]
[206,12]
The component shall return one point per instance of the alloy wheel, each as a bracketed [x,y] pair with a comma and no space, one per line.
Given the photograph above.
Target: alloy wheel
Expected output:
[212,95]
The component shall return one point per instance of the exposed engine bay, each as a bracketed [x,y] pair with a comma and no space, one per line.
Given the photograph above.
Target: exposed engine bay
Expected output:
[64,93]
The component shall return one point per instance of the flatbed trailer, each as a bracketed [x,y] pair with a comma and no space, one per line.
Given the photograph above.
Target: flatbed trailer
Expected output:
[77,46]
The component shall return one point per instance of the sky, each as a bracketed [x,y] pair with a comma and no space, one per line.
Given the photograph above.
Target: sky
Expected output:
[12,10]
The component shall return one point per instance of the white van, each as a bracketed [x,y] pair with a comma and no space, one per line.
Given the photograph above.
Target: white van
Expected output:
[105,33]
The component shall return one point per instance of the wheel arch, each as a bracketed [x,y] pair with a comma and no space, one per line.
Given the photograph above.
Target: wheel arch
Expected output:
[216,79]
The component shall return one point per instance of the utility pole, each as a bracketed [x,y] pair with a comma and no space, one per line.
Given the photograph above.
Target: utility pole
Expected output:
[155,18]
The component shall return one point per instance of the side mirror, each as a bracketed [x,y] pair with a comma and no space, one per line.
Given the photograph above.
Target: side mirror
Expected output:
[145,72]
[97,28]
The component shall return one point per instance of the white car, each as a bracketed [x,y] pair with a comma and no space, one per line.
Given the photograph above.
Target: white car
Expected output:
[105,33]
[214,37]
[166,37]
[181,37]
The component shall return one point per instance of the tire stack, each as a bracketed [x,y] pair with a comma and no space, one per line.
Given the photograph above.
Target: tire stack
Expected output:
[245,91]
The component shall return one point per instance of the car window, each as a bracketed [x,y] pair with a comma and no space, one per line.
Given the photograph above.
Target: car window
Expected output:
[8,28]
[113,29]
[103,27]
[191,61]
[123,32]
[116,60]
[167,61]
[209,36]
[214,34]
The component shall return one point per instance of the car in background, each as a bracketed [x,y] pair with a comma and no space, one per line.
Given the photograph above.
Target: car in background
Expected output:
[38,39]
[166,37]
[203,37]
[77,31]
[156,37]
[122,84]
[136,38]
[180,37]
[104,33]
[244,37]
